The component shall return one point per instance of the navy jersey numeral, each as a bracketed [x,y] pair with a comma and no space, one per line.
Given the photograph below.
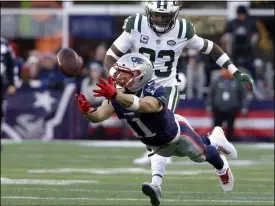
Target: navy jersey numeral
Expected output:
[139,128]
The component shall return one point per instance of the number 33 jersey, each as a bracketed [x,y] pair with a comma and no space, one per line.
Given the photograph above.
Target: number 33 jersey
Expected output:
[163,51]
[153,129]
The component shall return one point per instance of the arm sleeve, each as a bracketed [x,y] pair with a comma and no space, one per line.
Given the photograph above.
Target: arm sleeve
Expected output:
[123,43]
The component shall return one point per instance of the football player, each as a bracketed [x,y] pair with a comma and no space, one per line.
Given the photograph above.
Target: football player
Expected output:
[7,73]
[143,107]
[161,37]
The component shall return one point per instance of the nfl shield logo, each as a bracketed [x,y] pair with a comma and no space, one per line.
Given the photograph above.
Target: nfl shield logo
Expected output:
[158,41]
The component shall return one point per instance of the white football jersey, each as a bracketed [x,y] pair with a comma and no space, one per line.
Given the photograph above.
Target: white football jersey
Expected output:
[163,51]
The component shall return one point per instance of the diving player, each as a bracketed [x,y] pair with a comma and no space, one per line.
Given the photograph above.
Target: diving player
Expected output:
[161,37]
[143,107]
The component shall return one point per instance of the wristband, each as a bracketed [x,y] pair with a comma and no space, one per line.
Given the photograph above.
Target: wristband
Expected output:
[222,59]
[232,68]
[135,106]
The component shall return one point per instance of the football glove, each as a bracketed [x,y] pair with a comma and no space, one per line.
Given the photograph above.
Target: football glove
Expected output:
[83,104]
[244,80]
[107,89]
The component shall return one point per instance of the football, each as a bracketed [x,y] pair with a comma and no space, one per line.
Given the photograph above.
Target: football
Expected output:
[69,62]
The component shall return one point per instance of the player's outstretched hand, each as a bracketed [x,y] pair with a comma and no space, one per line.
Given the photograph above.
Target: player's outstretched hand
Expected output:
[107,89]
[245,80]
[83,103]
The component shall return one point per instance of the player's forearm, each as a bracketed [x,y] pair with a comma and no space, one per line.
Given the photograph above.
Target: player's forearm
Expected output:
[125,100]
[93,117]
[112,55]
[133,103]
[109,62]
[218,55]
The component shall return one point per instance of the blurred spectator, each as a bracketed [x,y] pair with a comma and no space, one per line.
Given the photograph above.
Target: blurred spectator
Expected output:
[41,70]
[89,83]
[98,58]
[224,99]
[30,69]
[50,74]
[100,53]
[19,62]
[263,91]
[241,37]
[195,76]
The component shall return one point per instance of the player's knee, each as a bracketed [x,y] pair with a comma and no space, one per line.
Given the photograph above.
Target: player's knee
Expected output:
[198,157]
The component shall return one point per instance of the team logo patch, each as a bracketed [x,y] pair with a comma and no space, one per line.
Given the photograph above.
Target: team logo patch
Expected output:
[171,42]
[144,39]
[137,60]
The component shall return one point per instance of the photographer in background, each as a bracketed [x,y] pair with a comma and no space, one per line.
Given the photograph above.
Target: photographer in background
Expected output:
[225,99]
[7,73]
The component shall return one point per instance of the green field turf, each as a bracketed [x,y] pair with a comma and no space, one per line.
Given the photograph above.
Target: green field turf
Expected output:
[68,173]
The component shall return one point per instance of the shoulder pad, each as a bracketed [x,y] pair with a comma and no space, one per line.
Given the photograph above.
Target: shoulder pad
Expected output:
[129,23]
[153,89]
[186,29]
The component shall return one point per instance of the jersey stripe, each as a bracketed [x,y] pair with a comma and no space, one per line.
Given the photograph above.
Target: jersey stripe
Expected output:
[184,28]
[180,28]
[175,98]
[161,3]
[171,97]
[165,5]
[139,22]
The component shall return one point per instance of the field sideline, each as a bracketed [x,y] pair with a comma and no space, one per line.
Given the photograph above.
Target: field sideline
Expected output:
[102,173]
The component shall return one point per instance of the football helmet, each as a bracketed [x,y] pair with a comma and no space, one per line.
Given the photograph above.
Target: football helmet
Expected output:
[132,71]
[166,11]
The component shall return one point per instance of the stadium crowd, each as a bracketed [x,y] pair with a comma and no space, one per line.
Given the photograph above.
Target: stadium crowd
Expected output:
[40,69]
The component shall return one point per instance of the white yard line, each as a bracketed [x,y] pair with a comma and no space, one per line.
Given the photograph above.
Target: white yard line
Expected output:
[8,181]
[132,199]
[125,191]
[108,171]
[131,144]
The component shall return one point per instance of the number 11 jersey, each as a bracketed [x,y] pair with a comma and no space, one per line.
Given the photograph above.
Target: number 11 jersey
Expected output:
[154,129]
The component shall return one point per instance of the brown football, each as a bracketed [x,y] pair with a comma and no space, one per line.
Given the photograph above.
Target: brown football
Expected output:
[68,61]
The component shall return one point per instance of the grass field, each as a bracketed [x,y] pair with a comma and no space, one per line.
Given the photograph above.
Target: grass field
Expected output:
[74,173]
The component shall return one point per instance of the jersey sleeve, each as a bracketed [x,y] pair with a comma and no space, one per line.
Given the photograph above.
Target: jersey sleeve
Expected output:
[186,29]
[157,91]
[193,40]
[124,42]
[129,24]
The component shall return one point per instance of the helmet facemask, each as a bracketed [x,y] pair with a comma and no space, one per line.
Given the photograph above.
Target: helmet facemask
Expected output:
[162,21]
[127,78]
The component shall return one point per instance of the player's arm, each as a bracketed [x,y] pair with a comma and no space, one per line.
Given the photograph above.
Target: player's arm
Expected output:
[211,49]
[95,115]
[121,45]
[147,104]
[131,102]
